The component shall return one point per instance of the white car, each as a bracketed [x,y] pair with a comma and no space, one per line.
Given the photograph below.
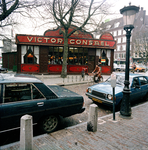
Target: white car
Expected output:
[120,67]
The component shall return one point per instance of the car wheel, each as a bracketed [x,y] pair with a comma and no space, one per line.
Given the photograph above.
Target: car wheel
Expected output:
[137,70]
[49,123]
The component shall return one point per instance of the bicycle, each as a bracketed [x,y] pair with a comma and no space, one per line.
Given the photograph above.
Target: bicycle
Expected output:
[96,79]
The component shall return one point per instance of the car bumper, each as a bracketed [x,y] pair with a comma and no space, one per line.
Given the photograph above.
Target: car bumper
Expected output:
[99,100]
[82,110]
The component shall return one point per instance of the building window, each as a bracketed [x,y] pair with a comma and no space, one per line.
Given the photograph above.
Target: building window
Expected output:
[115,33]
[116,24]
[124,32]
[144,54]
[116,56]
[119,40]
[30,54]
[135,54]
[123,47]
[118,47]
[119,32]
[124,40]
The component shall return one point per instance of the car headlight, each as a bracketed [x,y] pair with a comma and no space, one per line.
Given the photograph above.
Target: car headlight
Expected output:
[109,96]
[89,90]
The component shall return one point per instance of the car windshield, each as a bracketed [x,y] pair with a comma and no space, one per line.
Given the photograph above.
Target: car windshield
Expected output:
[119,79]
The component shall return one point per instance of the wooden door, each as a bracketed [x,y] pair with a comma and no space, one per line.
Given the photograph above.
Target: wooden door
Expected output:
[43,61]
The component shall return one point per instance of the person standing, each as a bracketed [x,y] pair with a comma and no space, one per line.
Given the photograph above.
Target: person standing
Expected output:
[134,67]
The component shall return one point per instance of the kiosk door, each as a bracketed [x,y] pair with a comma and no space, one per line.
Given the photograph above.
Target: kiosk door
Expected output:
[91,63]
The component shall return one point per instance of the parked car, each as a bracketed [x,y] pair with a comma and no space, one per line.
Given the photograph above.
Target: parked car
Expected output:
[140,68]
[23,94]
[115,67]
[3,70]
[120,67]
[102,93]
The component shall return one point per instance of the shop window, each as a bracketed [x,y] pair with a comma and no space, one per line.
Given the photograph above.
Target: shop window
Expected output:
[55,55]
[104,59]
[81,60]
[85,56]
[76,56]
[30,55]
[71,56]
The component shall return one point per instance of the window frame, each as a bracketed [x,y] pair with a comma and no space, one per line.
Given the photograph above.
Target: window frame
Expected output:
[31,93]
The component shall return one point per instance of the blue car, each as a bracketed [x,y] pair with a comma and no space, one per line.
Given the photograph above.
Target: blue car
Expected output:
[103,92]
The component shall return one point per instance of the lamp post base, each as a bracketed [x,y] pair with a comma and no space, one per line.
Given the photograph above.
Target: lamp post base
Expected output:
[125,117]
[125,109]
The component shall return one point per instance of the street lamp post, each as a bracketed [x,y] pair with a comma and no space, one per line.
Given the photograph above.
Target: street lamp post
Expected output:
[129,14]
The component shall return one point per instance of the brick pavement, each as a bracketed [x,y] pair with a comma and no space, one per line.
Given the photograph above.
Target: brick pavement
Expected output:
[121,134]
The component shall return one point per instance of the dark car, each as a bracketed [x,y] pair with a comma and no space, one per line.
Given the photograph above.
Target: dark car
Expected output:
[3,70]
[103,92]
[24,94]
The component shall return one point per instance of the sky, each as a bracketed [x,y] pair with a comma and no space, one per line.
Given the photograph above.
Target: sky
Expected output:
[117,5]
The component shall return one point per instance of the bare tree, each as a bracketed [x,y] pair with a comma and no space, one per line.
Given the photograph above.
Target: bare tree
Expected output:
[140,45]
[11,12]
[79,14]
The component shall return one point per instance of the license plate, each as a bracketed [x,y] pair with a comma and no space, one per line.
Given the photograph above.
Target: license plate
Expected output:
[96,100]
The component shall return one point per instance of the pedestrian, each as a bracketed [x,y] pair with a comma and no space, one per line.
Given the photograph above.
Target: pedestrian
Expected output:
[134,67]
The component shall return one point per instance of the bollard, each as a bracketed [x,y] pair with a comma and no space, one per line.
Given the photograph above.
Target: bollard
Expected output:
[92,118]
[42,78]
[68,79]
[26,133]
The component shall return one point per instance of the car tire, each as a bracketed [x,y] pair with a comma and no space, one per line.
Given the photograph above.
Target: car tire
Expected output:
[49,123]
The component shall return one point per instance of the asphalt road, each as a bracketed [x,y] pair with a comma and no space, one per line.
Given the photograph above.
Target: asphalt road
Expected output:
[79,118]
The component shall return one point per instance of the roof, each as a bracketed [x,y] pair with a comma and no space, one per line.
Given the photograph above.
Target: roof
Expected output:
[130,75]
[18,78]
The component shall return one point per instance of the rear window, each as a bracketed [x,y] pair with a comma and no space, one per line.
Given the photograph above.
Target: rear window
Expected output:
[45,90]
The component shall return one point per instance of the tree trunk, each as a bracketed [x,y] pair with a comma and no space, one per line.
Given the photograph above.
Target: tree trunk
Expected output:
[65,55]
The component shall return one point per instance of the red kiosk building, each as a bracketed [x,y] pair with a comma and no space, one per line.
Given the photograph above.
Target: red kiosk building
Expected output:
[44,54]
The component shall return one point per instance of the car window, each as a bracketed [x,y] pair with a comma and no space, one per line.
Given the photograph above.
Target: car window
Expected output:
[48,93]
[135,82]
[143,80]
[20,92]
[36,93]
[119,79]
[17,92]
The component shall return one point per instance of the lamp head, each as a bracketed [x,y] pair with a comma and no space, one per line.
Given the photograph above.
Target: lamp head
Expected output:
[129,14]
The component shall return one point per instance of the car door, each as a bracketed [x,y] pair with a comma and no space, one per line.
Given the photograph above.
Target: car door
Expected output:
[18,100]
[143,85]
[135,89]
